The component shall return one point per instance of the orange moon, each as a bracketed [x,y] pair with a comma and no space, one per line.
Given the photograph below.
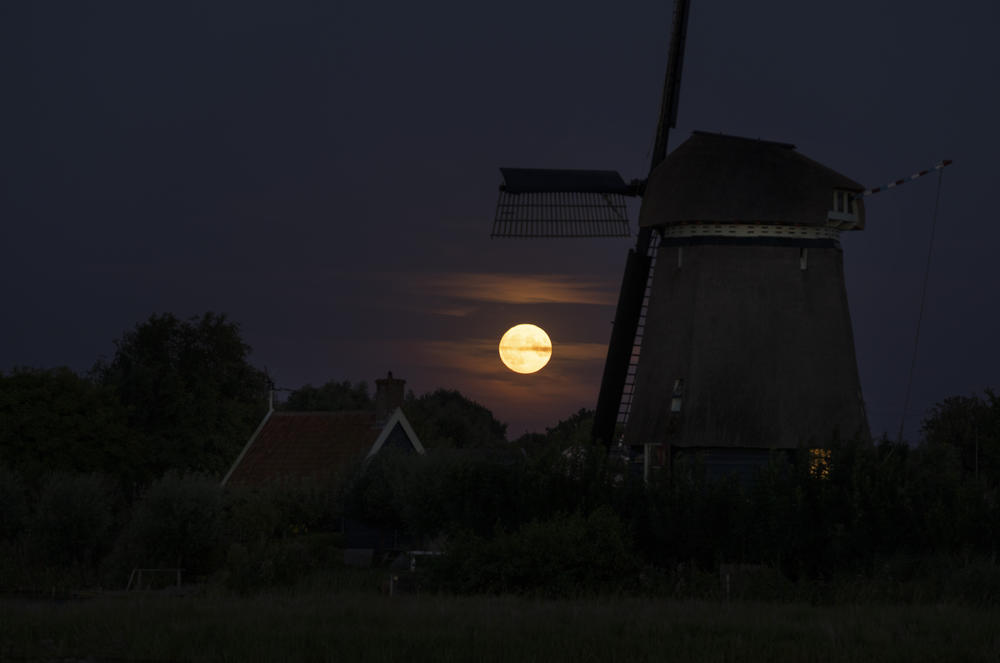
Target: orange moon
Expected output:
[525,348]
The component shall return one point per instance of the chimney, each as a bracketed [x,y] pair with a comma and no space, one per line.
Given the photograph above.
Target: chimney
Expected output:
[388,396]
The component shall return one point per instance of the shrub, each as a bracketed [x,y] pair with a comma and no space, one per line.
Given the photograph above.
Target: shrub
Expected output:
[280,562]
[13,505]
[567,555]
[175,524]
[279,509]
[72,519]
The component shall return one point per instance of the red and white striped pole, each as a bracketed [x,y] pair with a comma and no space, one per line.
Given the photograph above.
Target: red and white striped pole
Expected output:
[938,166]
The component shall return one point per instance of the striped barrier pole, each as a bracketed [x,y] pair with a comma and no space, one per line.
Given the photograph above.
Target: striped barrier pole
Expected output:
[938,166]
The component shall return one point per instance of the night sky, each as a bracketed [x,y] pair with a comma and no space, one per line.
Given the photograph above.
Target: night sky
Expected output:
[325,173]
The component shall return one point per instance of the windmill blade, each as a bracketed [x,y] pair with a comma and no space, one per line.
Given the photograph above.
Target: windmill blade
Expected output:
[537,202]
[672,83]
[623,349]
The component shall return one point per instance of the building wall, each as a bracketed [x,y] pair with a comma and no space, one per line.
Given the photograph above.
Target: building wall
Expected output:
[765,348]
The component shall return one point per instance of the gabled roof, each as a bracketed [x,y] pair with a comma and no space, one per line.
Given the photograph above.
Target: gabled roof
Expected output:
[315,445]
[714,178]
[396,426]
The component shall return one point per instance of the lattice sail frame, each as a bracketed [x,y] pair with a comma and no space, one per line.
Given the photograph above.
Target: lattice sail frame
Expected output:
[538,202]
[561,214]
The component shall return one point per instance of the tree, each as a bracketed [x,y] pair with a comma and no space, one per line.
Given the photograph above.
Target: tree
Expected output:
[574,431]
[446,418]
[56,420]
[970,425]
[71,520]
[189,391]
[176,523]
[331,397]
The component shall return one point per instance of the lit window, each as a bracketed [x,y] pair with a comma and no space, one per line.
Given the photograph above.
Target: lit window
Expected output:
[819,463]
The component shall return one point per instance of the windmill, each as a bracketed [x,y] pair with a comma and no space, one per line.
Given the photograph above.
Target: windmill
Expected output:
[732,334]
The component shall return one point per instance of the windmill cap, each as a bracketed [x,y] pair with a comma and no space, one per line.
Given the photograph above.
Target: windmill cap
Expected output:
[715,178]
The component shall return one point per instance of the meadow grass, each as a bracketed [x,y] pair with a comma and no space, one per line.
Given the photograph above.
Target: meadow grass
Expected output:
[355,625]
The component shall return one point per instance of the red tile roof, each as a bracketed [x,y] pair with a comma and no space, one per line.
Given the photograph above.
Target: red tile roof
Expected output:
[305,445]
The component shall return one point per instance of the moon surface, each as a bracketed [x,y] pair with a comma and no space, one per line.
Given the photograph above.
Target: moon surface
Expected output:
[525,348]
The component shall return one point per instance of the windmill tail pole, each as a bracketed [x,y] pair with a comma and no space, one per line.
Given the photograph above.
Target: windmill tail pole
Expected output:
[940,165]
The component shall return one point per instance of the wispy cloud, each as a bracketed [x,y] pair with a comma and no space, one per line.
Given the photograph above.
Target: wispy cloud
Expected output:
[474,356]
[516,288]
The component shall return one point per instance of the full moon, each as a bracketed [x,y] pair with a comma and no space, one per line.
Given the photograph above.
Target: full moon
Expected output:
[525,348]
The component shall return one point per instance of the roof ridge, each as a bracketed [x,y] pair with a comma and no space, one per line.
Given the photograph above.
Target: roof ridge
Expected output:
[719,134]
[293,413]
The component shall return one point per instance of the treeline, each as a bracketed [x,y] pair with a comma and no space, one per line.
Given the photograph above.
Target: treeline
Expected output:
[549,515]
[875,521]
[176,395]
[871,519]
[181,395]
[78,531]
[120,469]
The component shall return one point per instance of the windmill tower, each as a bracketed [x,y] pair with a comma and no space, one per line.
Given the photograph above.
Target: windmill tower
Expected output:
[732,334]
[747,343]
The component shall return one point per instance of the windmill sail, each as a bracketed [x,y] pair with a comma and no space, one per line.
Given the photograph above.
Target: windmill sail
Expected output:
[537,202]
[626,337]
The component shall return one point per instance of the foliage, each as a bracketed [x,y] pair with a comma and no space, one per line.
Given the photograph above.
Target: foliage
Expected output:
[971,426]
[443,490]
[280,509]
[447,419]
[55,420]
[278,533]
[545,515]
[14,511]
[333,397]
[281,562]
[565,555]
[175,524]
[72,520]
[570,432]
[189,391]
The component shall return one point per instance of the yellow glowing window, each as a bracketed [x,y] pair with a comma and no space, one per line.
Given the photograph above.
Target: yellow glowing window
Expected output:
[819,463]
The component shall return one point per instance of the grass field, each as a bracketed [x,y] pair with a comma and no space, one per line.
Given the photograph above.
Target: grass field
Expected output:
[365,626]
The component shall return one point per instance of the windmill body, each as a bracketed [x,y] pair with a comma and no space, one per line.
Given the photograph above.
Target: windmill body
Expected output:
[747,341]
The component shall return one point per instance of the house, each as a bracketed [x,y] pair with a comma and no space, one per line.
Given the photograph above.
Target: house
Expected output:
[323,445]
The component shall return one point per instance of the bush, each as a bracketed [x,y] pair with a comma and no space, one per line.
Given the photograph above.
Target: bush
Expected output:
[175,524]
[72,520]
[14,510]
[279,509]
[280,562]
[565,556]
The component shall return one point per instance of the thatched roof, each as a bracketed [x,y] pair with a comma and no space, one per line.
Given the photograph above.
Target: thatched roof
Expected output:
[713,178]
